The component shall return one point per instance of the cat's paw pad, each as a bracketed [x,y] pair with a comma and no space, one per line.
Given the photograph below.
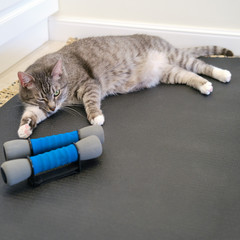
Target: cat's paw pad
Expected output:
[206,88]
[99,120]
[222,75]
[24,131]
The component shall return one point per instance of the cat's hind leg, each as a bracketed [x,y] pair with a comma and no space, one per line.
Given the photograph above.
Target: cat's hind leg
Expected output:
[177,75]
[198,66]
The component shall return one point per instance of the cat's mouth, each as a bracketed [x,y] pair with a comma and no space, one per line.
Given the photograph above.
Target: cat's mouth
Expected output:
[51,109]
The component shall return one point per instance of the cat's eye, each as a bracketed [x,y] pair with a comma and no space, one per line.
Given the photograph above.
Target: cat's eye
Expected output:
[57,93]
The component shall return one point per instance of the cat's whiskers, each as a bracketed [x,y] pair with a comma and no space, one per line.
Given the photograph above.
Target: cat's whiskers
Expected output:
[70,110]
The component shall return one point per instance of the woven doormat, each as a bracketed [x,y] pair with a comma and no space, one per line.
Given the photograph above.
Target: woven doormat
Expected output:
[9,92]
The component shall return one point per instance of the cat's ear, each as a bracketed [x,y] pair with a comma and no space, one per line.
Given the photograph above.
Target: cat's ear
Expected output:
[26,80]
[57,70]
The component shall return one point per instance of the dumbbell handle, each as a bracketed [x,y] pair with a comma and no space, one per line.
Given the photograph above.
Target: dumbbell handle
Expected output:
[22,148]
[54,159]
[45,144]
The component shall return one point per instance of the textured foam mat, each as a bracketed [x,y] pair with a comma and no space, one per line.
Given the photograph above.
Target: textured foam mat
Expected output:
[170,170]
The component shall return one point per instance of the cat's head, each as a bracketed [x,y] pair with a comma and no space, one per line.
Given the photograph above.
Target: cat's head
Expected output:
[44,87]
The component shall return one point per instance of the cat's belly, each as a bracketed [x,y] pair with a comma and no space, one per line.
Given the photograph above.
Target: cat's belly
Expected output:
[146,74]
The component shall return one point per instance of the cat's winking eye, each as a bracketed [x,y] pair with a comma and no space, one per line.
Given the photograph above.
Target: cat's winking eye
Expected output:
[56,93]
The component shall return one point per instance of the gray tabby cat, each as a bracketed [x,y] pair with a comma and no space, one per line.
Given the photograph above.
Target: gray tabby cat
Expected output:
[90,69]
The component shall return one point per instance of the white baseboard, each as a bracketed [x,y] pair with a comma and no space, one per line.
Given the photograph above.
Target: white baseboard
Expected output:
[61,28]
[19,47]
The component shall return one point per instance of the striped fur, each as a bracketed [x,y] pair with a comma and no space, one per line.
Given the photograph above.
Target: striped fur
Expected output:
[90,69]
[208,51]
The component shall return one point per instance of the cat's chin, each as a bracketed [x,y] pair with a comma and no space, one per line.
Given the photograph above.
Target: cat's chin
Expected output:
[50,113]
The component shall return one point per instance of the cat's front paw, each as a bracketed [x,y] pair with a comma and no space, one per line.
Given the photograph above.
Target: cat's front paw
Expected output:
[24,131]
[206,88]
[99,120]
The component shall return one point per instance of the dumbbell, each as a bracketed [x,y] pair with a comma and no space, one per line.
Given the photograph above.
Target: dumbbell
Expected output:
[21,148]
[18,170]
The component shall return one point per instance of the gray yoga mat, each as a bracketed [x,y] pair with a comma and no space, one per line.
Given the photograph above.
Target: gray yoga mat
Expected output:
[170,170]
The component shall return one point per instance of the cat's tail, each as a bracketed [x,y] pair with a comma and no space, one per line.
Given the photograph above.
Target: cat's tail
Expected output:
[208,50]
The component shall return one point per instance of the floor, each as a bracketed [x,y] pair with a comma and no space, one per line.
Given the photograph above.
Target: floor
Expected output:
[10,75]
[169,169]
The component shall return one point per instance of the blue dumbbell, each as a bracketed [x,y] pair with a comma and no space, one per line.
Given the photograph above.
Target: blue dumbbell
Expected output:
[15,171]
[21,148]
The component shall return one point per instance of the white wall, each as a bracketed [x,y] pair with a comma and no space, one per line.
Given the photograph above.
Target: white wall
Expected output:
[184,23]
[23,28]
[213,14]
[4,4]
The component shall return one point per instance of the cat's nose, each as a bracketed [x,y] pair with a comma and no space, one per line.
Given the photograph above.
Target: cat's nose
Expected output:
[52,106]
